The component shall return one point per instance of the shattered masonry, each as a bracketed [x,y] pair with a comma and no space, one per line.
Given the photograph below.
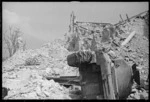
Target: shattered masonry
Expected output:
[27,81]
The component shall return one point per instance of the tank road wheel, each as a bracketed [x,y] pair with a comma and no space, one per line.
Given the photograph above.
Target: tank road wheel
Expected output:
[78,58]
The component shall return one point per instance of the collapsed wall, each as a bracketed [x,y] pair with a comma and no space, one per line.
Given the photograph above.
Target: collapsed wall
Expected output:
[92,36]
[86,35]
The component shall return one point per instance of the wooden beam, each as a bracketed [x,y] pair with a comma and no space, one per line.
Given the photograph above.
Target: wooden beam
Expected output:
[121,18]
[130,18]
[127,18]
[128,38]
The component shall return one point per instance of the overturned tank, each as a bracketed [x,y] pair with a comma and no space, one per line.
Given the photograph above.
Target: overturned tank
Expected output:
[102,78]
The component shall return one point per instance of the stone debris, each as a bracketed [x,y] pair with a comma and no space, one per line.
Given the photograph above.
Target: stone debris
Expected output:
[135,52]
[29,85]
[25,72]
[27,81]
[138,94]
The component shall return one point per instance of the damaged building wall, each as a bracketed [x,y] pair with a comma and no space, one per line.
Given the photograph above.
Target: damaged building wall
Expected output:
[92,36]
[84,33]
[117,40]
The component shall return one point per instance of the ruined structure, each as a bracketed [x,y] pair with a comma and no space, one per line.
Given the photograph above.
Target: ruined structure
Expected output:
[110,60]
[87,35]
[104,72]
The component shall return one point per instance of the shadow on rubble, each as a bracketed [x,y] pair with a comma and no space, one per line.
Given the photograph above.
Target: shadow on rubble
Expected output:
[72,84]
[74,91]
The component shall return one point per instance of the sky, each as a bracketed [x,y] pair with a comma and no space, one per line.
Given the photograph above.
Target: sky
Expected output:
[42,22]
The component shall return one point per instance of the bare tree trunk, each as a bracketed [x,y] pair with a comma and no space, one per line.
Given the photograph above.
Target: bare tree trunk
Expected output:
[72,18]
[11,40]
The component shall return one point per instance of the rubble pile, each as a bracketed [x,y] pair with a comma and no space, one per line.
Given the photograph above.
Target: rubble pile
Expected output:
[26,72]
[58,54]
[92,36]
[29,84]
[137,50]
[137,94]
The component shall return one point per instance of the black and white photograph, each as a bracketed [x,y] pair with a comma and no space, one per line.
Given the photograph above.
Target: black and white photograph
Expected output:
[75,50]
